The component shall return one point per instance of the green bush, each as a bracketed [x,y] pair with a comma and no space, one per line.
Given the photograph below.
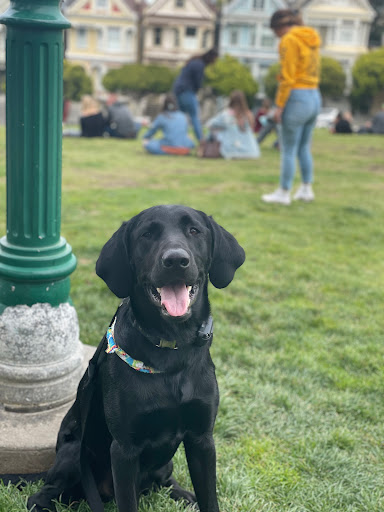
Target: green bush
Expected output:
[76,82]
[368,79]
[228,74]
[332,78]
[139,78]
[270,80]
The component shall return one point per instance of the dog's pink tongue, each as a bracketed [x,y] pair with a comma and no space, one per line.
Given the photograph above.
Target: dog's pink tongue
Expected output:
[175,299]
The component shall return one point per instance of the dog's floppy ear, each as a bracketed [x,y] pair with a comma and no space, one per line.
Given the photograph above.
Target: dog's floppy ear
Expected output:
[227,255]
[114,266]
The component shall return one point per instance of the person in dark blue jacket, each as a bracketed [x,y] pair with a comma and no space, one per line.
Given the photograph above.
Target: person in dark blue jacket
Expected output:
[187,85]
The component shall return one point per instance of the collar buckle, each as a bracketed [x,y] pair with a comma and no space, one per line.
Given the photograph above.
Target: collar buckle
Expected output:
[167,344]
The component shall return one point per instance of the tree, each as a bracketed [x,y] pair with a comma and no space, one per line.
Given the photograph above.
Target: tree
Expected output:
[270,80]
[76,82]
[139,78]
[368,79]
[332,78]
[228,74]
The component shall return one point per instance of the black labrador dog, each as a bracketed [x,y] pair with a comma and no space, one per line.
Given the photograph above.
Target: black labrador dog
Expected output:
[151,383]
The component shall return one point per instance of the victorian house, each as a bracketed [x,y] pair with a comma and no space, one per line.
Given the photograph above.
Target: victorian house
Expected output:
[344,27]
[175,30]
[103,35]
[245,34]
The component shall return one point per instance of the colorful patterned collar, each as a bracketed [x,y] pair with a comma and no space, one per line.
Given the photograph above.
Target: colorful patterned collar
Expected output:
[203,336]
[112,348]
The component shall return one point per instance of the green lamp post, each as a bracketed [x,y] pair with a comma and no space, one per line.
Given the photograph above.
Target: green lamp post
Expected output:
[35,261]
[41,356]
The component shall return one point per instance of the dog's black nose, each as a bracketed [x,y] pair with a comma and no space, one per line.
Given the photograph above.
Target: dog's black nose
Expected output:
[175,258]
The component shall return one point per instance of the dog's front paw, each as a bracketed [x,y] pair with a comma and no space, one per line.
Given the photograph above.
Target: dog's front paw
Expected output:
[190,498]
[32,506]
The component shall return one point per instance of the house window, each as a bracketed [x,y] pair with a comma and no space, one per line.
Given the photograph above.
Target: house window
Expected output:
[233,36]
[190,31]
[101,4]
[81,37]
[191,41]
[347,31]
[179,3]
[113,38]
[157,33]
[252,36]
[176,37]
[258,4]
[267,38]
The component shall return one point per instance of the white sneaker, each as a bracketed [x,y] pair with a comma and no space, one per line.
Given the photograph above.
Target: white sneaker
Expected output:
[280,196]
[304,193]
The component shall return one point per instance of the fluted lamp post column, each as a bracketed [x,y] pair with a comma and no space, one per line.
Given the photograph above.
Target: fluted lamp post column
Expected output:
[40,353]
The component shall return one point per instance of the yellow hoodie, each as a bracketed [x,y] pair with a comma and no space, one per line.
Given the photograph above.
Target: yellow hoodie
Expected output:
[299,61]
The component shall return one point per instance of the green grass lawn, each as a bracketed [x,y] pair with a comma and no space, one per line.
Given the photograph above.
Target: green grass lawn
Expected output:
[298,341]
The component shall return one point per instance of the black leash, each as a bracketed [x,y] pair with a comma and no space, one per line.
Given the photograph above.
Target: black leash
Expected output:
[88,482]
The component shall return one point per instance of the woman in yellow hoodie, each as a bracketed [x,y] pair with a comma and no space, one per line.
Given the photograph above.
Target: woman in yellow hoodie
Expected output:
[298,102]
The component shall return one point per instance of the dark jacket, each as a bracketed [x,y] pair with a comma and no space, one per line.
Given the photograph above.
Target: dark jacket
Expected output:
[92,126]
[191,77]
[121,122]
[378,123]
[343,126]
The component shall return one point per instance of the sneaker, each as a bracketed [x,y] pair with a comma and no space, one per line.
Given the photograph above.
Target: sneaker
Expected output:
[304,193]
[280,196]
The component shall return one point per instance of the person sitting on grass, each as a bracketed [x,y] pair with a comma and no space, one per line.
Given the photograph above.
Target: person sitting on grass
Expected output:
[92,122]
[376,125]
[342,123]
[120,121]
[233,128]
[174,125]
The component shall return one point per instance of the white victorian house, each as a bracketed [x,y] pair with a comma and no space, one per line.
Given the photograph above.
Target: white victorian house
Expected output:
[245,34]
[344,27]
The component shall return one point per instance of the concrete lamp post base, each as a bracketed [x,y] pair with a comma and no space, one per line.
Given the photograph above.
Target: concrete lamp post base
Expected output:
[41,365]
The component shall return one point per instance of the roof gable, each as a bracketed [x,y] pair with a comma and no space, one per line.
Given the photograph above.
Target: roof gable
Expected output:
[195,8]
[359,5]
[242,7]
[119,8]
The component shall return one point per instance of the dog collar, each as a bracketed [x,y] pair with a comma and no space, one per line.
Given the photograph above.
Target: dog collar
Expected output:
[113,348]
[203,334]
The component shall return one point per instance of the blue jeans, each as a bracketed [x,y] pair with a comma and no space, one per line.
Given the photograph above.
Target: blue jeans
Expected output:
[189,104]
[154,146]
[298,122]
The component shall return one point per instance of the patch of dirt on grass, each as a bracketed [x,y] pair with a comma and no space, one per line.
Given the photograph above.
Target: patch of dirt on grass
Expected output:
[115,182]
[85,261]
[370,151]
[377,168]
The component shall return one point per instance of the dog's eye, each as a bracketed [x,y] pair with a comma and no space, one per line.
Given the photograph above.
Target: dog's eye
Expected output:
[194,231]
[147,234]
